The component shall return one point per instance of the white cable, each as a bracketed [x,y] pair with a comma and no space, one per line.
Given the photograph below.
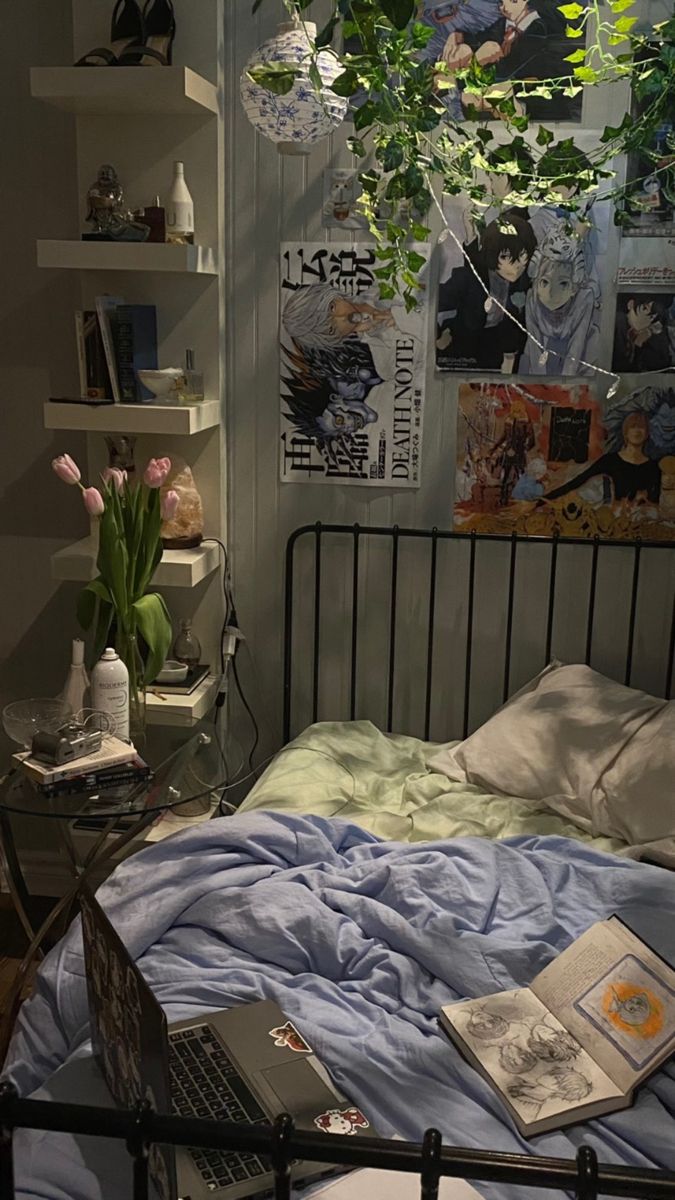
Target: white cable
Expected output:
[490,300]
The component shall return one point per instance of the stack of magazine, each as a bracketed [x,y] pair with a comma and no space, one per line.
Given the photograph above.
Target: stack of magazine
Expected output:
[114,341]
[116,765]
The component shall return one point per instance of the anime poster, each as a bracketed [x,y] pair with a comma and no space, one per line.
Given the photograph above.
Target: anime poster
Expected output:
[541,269]
[352,370]
[520,39]
[650,179]
[644,331]
[547,459]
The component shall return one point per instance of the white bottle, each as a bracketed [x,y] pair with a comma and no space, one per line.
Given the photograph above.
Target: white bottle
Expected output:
[180,211]
[76,689]
[110,691]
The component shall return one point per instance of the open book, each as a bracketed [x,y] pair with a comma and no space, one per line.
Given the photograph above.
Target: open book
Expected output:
[575,1044]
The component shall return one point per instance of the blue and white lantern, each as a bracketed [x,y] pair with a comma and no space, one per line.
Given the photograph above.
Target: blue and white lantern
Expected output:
[302,116]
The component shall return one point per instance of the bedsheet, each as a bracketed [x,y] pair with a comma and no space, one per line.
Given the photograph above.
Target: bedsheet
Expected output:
[381,781]
[360,942]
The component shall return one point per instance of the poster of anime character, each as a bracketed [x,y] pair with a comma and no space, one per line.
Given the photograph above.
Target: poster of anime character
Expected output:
[644,331]
[545,459]
[650,177]
[352,370]
[525,294]
[520,39]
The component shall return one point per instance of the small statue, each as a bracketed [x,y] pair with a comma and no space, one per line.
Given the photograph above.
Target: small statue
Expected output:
[121,452]
[106,211]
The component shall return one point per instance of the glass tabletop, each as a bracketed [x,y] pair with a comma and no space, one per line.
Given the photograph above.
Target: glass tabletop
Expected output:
[188,766]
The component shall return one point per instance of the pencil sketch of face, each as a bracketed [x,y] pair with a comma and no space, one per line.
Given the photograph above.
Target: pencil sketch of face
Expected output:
[486,1026]
[516,1059]
[560,1083]
[633,1011]
[552,1045]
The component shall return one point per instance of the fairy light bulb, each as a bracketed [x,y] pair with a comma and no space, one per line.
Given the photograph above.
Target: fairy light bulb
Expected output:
[613,389]
[488,304]
[543,358]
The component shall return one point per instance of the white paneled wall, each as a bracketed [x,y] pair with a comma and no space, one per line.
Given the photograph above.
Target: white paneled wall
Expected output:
[272,199]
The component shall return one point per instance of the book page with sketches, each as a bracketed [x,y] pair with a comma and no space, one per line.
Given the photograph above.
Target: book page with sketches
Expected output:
[616,997]
[539,1067]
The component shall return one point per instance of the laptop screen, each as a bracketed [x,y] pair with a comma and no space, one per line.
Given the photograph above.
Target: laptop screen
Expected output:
[128,1030]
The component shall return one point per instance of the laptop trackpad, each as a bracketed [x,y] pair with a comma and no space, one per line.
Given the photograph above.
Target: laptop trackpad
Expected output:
[298,1087]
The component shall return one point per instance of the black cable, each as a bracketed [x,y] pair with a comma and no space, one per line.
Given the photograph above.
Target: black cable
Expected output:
[249,710]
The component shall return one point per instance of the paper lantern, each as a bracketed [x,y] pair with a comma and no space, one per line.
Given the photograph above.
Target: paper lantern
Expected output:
[301,117]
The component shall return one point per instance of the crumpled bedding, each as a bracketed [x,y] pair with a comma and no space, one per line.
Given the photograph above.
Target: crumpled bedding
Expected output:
[360,942]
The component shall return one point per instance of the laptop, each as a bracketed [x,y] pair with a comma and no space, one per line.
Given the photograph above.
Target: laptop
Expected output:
[243,1064]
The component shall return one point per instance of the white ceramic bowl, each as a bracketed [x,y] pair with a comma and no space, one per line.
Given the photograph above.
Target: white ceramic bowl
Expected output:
[162,384]
[172,672]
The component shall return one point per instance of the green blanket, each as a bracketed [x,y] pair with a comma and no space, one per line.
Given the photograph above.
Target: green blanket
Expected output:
[382,783]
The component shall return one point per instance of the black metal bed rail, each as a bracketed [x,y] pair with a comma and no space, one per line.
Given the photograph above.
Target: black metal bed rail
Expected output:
[281,1143]
[358,533]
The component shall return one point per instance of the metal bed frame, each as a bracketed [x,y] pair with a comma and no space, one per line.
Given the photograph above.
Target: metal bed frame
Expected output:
[319,535]
[281,1143]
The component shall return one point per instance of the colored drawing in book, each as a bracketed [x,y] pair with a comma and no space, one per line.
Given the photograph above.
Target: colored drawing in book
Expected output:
[522,40]
[547,459]
[644,331]
[352,371]
[633,1008]
[523,295]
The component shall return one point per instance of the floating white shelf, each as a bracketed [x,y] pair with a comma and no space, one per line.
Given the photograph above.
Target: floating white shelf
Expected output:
[169,709]
[169,91]
[181,420]
[126,256]
[178,568]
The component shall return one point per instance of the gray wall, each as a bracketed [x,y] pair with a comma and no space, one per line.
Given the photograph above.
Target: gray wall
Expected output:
[37,514]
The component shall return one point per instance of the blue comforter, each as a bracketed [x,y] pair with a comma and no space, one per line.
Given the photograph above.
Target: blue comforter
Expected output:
[360,942]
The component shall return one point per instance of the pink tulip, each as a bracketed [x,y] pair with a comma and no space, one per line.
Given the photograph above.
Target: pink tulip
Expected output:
[67,470]
[93,501]
[156,472]
[114,476]
[169,504]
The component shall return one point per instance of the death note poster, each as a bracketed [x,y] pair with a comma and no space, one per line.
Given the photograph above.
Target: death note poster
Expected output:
[352,371]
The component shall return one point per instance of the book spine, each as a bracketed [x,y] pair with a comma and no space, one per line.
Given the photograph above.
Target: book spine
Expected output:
[128,385]
[81,351]
[87,783]
[97,374]
[103,312]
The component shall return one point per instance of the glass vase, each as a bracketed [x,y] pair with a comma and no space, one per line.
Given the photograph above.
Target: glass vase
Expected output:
[127,647]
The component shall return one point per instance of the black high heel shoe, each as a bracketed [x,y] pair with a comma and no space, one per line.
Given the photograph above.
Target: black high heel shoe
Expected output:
[160,30]
[126,29]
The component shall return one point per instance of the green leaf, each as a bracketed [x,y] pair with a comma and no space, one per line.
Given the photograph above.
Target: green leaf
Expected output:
[365,115]
[577,56]
[391,155]
[618,6]
[88,599]
[571,11]
[346,84]
[399,12]
[315,77]
[586,74]
[625,24]
[274,77]
[356,146]
[572,32]
[419,232]
[416,261]
[325,37]
[154,625]
[544,136]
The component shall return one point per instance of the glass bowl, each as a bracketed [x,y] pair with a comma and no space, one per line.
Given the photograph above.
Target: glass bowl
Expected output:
[22,718]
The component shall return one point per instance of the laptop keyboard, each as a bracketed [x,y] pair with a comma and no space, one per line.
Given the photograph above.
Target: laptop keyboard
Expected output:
[205,1083]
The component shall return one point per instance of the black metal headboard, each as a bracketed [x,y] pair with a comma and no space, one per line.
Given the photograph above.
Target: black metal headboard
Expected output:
[384,623]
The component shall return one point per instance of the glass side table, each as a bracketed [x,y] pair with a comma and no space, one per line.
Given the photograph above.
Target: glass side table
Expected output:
[188,780]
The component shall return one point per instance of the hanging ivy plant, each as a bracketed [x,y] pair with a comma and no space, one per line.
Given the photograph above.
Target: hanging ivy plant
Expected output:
[415,145]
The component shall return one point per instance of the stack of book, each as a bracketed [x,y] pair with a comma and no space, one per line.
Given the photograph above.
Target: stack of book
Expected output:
[116,765]
[115,341]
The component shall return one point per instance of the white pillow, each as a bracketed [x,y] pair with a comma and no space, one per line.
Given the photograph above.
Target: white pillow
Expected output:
[600,753]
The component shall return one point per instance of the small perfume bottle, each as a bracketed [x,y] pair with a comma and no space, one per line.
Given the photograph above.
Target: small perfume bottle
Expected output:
[186,648]
[180,210]
[191,390]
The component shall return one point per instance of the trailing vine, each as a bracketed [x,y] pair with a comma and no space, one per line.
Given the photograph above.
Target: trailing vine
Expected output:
[411,146]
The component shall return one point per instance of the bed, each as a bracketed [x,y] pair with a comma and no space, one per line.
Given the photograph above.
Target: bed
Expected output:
[360,941]
[432,631]
[364,913]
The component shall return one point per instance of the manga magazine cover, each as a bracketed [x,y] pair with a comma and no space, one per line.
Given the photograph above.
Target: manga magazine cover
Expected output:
[542,267]
[644,331]
[352,370]
[544,459]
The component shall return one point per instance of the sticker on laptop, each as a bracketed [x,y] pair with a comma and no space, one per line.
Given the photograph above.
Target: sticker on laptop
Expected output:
[287,1035]
[346,1120]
